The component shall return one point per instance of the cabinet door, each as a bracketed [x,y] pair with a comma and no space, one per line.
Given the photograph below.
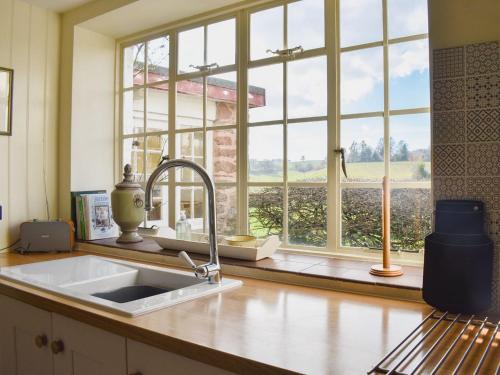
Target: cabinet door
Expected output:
[80,349]
[24,339]
[147,360]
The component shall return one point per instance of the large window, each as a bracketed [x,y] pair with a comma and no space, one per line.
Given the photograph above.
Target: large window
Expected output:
[263,99]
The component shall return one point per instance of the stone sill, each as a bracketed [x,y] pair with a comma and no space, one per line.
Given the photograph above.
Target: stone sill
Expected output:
[308,270]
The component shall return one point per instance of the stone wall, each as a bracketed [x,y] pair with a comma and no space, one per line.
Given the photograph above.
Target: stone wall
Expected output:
[466,132]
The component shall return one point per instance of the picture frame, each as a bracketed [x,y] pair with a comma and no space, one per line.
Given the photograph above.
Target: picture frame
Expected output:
[6,94]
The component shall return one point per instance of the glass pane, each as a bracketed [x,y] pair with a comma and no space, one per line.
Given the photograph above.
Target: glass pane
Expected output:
[157,146]
[221,155]
[265,153]
[363,140]
[189,146]
[409,75]
[362,81]
[406,17]
[189,104]
[307,92]
[307,216]
[191,50]
[265,93]
[157,106]
[265,211]
[360,22]
[133,65]
[159,212]
[266,32]
[411,147]
[227,217]
[307,149]
[221,43]
[411,213]
[362,218]
[222,99]
[158,53]
[190,200]
[133,154]
[133,111]
[306,24]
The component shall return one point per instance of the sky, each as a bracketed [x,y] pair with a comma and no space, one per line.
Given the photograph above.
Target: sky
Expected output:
[361,73]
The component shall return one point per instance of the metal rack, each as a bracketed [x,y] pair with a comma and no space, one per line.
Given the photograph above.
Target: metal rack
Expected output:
[438,337]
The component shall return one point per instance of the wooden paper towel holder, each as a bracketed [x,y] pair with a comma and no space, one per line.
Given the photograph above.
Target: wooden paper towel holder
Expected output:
[386,269]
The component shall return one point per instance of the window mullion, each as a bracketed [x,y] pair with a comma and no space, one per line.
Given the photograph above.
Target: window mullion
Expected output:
[285,130]
[172,99]
[145,121]
[334,218]
[242,47]
[387,143]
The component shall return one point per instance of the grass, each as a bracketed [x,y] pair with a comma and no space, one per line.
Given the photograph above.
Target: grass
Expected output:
[369,171]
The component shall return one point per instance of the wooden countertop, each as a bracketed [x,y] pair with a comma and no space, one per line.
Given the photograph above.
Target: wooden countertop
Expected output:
[261,327]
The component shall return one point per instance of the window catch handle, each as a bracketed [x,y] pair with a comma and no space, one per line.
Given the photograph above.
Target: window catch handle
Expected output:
[289,52]
[204,68]
[341,151]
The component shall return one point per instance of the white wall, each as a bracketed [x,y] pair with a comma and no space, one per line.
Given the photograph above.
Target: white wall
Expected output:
[92,117]
[29,43]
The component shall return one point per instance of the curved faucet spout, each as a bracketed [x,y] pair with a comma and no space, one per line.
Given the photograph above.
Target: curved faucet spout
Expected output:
[211,270]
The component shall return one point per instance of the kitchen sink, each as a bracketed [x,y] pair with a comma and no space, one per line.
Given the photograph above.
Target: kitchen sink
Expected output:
[120,286]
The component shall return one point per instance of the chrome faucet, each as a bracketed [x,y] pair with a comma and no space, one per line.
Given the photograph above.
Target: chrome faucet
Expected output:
[210,270]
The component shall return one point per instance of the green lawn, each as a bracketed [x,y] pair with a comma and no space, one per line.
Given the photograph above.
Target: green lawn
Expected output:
[370,171]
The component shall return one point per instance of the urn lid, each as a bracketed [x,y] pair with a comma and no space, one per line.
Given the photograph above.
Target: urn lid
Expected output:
[128,181]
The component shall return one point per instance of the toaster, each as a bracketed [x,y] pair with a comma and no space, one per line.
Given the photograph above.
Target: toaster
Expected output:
[45,236]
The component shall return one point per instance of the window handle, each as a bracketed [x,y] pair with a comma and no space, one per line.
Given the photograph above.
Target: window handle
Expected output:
[204,68]
[341,151]
[290,52]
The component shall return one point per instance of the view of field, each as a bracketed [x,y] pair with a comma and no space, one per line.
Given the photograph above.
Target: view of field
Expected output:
[363,171]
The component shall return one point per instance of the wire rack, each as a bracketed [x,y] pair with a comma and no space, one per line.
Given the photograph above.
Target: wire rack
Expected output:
[445,343]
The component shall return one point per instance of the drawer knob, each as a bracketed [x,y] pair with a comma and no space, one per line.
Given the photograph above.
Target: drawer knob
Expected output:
[41,340]
[57,346]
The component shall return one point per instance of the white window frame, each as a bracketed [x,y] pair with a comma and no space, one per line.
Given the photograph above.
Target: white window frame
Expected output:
[332,51]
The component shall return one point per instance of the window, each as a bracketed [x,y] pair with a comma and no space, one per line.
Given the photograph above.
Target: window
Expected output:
[384,105]
[262,99]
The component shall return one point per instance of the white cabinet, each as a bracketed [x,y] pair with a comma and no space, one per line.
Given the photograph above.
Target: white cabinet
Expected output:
[25,336]
[80,349]
[147,360]
[37,342]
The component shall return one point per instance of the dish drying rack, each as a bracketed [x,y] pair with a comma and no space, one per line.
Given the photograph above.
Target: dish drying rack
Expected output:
[445,343]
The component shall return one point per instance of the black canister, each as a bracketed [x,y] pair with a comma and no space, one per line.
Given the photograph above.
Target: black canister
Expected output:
[458,258]
[459,217]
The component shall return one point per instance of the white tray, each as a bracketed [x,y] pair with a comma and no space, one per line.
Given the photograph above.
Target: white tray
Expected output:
[264,249]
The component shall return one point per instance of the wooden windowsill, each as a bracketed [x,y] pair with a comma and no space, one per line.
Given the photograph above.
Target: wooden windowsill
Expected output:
[312,266]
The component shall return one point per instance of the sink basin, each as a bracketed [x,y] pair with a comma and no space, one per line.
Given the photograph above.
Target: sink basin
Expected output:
[127,288]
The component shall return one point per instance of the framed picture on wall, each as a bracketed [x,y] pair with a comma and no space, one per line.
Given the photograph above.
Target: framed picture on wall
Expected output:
[6,87]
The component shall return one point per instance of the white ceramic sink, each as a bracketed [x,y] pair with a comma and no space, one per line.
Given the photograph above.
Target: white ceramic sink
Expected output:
[124,287]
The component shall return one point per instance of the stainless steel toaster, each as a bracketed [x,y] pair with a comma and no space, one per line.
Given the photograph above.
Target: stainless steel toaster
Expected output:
[57,235]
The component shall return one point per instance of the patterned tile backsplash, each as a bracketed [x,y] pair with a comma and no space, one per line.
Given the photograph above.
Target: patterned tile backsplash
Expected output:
[466,132]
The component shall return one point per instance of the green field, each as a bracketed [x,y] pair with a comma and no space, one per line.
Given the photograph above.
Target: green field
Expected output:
[368,171]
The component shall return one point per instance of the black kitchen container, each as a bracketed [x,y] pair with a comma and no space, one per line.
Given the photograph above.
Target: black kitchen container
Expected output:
[458,259]
[459,217]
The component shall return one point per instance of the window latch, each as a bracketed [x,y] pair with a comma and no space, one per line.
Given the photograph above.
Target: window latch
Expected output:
[341,151]
[289,52]
[204,68]
[163,159]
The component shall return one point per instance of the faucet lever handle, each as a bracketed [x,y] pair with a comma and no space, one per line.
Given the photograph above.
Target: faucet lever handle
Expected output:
[184,256]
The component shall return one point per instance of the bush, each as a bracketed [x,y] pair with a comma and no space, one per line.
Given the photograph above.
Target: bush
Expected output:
[361,216]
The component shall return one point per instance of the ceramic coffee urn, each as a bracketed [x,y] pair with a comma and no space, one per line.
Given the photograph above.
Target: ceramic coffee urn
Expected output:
[127,202]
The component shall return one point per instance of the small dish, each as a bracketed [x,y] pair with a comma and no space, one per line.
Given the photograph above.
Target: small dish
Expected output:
[241,240]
